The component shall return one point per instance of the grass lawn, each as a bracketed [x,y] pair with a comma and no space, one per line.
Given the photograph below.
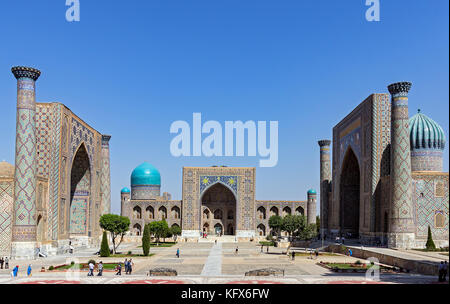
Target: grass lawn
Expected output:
[433,250]
[267,243]
[349,266]
[133,255]
[108,266]
[161,244]
[320,254]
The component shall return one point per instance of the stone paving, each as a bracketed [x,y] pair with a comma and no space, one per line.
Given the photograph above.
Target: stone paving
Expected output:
[207,263]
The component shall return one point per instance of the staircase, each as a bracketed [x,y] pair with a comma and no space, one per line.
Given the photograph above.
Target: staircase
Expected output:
[220,239]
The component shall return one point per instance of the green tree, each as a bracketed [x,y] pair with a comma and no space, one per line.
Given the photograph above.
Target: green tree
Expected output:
[307,232]
[176,231]
[146,240]
[430,243]
[104,248]
[117,226]
[159,229]
[276,223]
[293,223]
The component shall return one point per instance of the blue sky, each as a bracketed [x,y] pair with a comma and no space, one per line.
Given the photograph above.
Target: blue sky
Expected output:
[131,68]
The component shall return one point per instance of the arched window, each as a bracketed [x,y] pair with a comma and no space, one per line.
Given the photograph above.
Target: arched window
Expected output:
[439,219]
[273,211]
[137,212]
[286,211]
[206,214]
[175,212]
[261,213]
[299,211]
[150,212]
[137,229]
[162,212]
[261,230]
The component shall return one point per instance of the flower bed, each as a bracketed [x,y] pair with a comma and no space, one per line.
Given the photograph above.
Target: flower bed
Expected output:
[82,267]
[355,267]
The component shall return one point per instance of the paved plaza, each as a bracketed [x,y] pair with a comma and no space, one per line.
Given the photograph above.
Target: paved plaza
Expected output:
[207,263]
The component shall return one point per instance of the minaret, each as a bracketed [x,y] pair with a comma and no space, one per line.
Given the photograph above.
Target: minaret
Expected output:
[325,179]
[401,228]
[311,207]
[105,187]
[23,244]
[124,199]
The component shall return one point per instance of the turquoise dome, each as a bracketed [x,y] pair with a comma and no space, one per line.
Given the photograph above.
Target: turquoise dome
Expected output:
[425,133]
[145,174]
[125,190]
[312,191]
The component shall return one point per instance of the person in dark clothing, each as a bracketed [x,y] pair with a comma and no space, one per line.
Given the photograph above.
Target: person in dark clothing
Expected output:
[293,255]
[1,262]
[119,269]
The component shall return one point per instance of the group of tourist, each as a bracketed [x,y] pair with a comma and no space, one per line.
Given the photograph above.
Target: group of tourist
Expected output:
[128,264]
[15,272]
[443,268]
[91,266]
[4,261]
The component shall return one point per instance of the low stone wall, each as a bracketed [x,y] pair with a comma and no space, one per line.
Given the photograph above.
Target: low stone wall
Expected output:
[265,272]
[422,267]
[160,272]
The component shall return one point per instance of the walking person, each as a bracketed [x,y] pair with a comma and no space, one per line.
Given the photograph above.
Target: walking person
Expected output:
[125,264]
[317,253]
[100,269]
[6,263]
[91,269]
[15,271]
[293,255]
[29,271]
[237,249]
[130,266]
[441,271]
[1,262]
[178,252]
[444,271]
[119,269]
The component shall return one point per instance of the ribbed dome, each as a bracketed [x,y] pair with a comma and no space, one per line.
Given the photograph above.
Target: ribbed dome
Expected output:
[145,174]
[6,169]
[312,191]
[425,133]
[125,190]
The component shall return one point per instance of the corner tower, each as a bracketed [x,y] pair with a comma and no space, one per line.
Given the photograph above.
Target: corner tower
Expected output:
[401,231]
[106,176]
[311,206]
[24,221]
[325,181]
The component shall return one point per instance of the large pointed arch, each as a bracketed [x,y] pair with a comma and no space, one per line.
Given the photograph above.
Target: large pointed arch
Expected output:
[80,191]
[349,189]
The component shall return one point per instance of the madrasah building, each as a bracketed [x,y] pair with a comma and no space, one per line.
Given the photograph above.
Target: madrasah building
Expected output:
[59,185]
[381,176]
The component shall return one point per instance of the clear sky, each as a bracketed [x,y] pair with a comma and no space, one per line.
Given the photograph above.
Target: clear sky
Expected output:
[131,68]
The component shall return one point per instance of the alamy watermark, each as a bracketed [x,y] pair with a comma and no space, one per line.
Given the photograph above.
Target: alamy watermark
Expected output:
[219,143]
[73,10]
[373,12]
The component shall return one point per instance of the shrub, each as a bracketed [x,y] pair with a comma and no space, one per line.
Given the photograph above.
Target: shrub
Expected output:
[430,243]
[51,268]
[146,240]
[358,262]
[91,261]
[104,248]
[72,263]
[129,252]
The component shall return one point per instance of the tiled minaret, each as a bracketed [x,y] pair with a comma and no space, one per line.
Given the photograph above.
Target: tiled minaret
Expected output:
[24,221]
[311,206]
[124,199]
[401,228]
[325,180]
[105,187]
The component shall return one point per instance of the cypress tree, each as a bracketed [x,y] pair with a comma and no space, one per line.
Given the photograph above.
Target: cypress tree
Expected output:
[146,240]
[430,243]
[104,248]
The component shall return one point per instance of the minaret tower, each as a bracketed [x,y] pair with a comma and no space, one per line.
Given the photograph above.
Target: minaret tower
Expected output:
[401,228]
[24,221]
[105,186]
[311,206]
[325,180]
[124,200]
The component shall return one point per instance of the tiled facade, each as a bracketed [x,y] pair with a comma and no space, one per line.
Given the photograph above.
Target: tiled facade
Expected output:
[372,174]
[50,207]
